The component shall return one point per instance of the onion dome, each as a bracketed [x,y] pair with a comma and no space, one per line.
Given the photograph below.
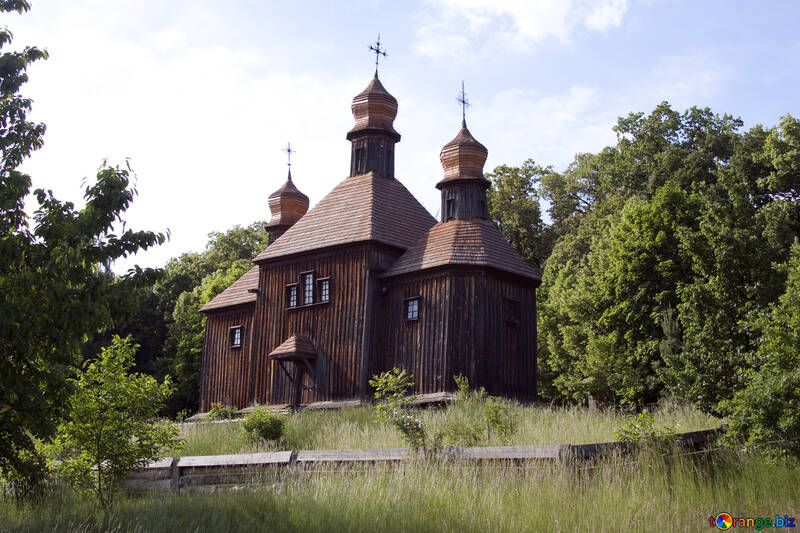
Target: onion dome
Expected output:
[286,205]
[463,158]
[374,110]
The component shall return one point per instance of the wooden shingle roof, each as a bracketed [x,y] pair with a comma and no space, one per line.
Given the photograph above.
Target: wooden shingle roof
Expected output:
[295,347]
[462,242]
[236,294]
[366,207]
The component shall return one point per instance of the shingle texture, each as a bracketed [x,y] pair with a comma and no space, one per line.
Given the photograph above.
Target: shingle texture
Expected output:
[294,346]
[462,242]
[237,293]
[366,207]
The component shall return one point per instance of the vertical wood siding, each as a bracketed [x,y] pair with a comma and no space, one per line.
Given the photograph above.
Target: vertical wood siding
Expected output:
[225,369]
[462,329]
[336,328]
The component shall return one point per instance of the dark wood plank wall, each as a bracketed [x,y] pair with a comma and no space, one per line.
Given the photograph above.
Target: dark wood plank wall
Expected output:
[225,369]
[336,328]
[419,346]
[483,345]
[462,329]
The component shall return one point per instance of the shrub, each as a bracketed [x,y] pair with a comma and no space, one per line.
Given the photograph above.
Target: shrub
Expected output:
[392,390]
[640,430]
[263,424]
[499,419]
[111,430]
[220,411]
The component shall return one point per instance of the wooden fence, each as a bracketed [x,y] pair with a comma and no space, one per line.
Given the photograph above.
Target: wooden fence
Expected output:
[207,472]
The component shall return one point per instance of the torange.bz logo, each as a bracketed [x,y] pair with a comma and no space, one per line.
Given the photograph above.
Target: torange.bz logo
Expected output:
[723,521]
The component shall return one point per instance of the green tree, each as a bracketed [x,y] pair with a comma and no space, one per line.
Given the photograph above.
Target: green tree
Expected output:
[111,429]
[187,330]
[766,412]
[514,206]
[55,288]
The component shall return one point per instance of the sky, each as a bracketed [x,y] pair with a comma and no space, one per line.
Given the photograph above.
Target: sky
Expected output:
[202,96]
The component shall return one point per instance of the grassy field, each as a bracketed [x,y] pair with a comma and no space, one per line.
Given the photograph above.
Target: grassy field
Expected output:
[357,428]
[617,493]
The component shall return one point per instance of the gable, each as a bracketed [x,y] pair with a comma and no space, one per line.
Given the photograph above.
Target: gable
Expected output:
[237,293]
[366,207]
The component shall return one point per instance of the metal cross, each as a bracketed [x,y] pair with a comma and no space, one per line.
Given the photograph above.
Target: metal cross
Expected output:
[378,52]
[462,99]
[289,153]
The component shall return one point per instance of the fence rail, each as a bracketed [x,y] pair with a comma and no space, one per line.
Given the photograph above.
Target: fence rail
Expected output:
[208,471]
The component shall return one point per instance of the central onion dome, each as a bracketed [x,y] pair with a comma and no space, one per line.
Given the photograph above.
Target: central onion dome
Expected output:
[287,205]
[374,110]
[463,158]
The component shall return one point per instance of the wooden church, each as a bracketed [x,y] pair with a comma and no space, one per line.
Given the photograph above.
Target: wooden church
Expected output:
[368,280]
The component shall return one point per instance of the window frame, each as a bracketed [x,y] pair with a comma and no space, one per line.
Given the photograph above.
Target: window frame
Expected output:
[320,283]
[511,310]
[407,307]
[289,287]
[305,286]
[232,336]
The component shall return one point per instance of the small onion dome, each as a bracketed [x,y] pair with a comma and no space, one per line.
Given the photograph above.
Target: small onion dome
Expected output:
[374,110]
[463,158]
[287,205]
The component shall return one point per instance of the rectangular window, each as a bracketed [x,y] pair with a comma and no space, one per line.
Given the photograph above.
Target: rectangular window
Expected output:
[325,290]
[511,311]
[291,295]
[450,209]
[412,308]
[236,337]
[308,288]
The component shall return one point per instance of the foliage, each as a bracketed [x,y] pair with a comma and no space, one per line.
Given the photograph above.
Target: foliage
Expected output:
[514,207]
[393,392]
[664,254]
[111,430]
[766,412]
[220,411]
[641,430]
[264,424]
[55,283]
[475,417]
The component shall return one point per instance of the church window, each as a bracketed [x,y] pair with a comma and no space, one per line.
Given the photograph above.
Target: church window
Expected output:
[451,209]
[291,295]
[412,308]
[360,160]
[308,288]
[236,336]
[325,290]
[511,309]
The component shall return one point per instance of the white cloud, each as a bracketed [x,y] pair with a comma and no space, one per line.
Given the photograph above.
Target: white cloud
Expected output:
[451,27]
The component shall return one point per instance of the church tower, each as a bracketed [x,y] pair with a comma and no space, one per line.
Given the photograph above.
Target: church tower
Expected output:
[286,205]
[463,186]
[373,137]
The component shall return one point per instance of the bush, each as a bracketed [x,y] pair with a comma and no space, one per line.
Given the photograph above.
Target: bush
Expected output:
[220,411]
[393,392]
[640,430]
[112,429]
[263,424]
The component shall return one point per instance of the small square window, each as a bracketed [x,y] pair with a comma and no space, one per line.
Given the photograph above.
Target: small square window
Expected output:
[511,310]
[308,288]
[291,296]
[412,308]
[236,336]
[325,290]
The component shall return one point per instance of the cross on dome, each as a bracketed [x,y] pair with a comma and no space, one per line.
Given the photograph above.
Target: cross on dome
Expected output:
[376,48]
[462,99]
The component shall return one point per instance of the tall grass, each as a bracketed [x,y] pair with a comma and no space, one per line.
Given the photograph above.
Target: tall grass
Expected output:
[356,427]
[615,493]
